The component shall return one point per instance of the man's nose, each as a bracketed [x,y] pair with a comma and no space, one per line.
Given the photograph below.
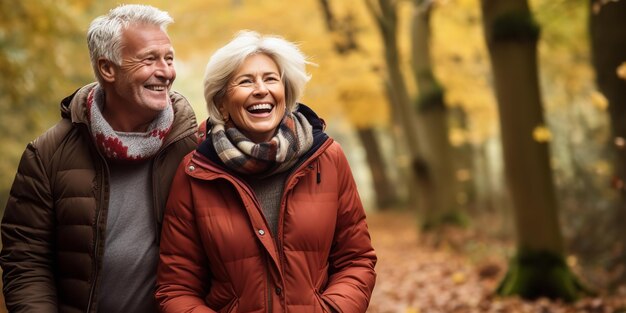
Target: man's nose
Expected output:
[165,69]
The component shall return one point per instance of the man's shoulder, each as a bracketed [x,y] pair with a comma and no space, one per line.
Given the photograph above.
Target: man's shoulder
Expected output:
[181,105]
[184,117]
[51,139]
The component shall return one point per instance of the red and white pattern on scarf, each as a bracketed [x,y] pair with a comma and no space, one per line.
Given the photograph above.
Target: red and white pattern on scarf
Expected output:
[126,146]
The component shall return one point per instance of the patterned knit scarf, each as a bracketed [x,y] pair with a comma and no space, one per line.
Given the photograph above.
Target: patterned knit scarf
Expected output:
[292,140]
[124,146]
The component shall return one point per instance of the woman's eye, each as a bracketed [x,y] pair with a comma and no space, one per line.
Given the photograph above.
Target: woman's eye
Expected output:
[245,82]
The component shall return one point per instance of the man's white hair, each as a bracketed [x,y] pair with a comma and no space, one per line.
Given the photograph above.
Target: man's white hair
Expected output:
[104,37]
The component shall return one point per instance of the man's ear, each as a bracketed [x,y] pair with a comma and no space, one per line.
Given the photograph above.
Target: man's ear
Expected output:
[106,69]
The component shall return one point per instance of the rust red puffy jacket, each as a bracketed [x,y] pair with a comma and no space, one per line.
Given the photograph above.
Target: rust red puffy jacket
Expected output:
[217,254]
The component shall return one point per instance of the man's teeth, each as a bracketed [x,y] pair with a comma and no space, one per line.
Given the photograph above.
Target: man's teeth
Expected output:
[156,88]
[260,107]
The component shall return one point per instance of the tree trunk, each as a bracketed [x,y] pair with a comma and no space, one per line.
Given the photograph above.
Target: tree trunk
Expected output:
[385,195]
[539,269]
[403,113]
[485,198]
[432,118]
[608,47]
[463,158]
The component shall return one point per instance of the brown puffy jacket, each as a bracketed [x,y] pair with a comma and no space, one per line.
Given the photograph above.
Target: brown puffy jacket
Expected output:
[53,225]
[217,254]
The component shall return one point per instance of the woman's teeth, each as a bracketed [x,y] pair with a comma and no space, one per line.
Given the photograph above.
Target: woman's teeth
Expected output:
[260,108]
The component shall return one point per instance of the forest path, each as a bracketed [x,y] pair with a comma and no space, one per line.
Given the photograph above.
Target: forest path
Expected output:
[415,275]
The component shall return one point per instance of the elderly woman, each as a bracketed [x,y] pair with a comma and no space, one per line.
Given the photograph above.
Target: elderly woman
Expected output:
[264,216]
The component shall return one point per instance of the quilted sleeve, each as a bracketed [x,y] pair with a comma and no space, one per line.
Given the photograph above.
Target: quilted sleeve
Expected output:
[27,239]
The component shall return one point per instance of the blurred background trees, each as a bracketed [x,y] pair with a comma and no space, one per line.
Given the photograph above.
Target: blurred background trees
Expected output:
[608,49]
[407,87]
[42,58]
[538,268]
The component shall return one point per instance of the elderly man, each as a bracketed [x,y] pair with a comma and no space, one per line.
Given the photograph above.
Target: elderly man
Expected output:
[81,228]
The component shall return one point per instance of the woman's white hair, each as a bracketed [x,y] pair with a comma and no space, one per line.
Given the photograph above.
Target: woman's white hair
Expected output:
[226,60]
[104,37]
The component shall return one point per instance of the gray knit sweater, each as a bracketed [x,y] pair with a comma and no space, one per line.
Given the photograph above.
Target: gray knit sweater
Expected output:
[269,191]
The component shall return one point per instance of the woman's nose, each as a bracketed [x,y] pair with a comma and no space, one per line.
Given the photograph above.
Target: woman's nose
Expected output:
[260,88]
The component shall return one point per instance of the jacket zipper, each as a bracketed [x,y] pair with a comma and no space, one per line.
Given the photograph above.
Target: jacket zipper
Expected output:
[105,171]
[248,190]
[289,185]
[268,260]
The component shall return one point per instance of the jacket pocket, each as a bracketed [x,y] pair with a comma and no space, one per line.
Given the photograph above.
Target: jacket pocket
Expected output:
[320,286]
[231,307]
[322,280]
[222,297]
[323,306]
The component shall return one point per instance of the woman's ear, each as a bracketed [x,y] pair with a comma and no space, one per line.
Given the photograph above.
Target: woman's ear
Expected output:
[106,69]
[222,108]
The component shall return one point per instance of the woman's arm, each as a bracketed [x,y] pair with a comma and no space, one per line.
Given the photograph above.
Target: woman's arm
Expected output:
[352,258]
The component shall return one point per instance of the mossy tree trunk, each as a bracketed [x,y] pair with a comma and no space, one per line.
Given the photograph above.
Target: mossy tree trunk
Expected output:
[432,123]
[608,46]
[539,268]
[423,119]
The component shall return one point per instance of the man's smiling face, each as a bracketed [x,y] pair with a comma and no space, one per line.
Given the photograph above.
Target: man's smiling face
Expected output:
[147,71]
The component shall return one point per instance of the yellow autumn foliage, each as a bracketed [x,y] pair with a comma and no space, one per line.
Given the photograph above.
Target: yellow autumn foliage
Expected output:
[599,100]
[542,134]
[621,71]
[459,277]
[462,65]
[349,86]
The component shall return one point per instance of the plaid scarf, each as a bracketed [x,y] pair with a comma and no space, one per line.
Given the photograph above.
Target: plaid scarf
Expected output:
[126,146]
[292,140]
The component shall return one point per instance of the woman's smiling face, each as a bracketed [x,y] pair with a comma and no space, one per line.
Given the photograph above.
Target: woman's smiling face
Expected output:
[255,98]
